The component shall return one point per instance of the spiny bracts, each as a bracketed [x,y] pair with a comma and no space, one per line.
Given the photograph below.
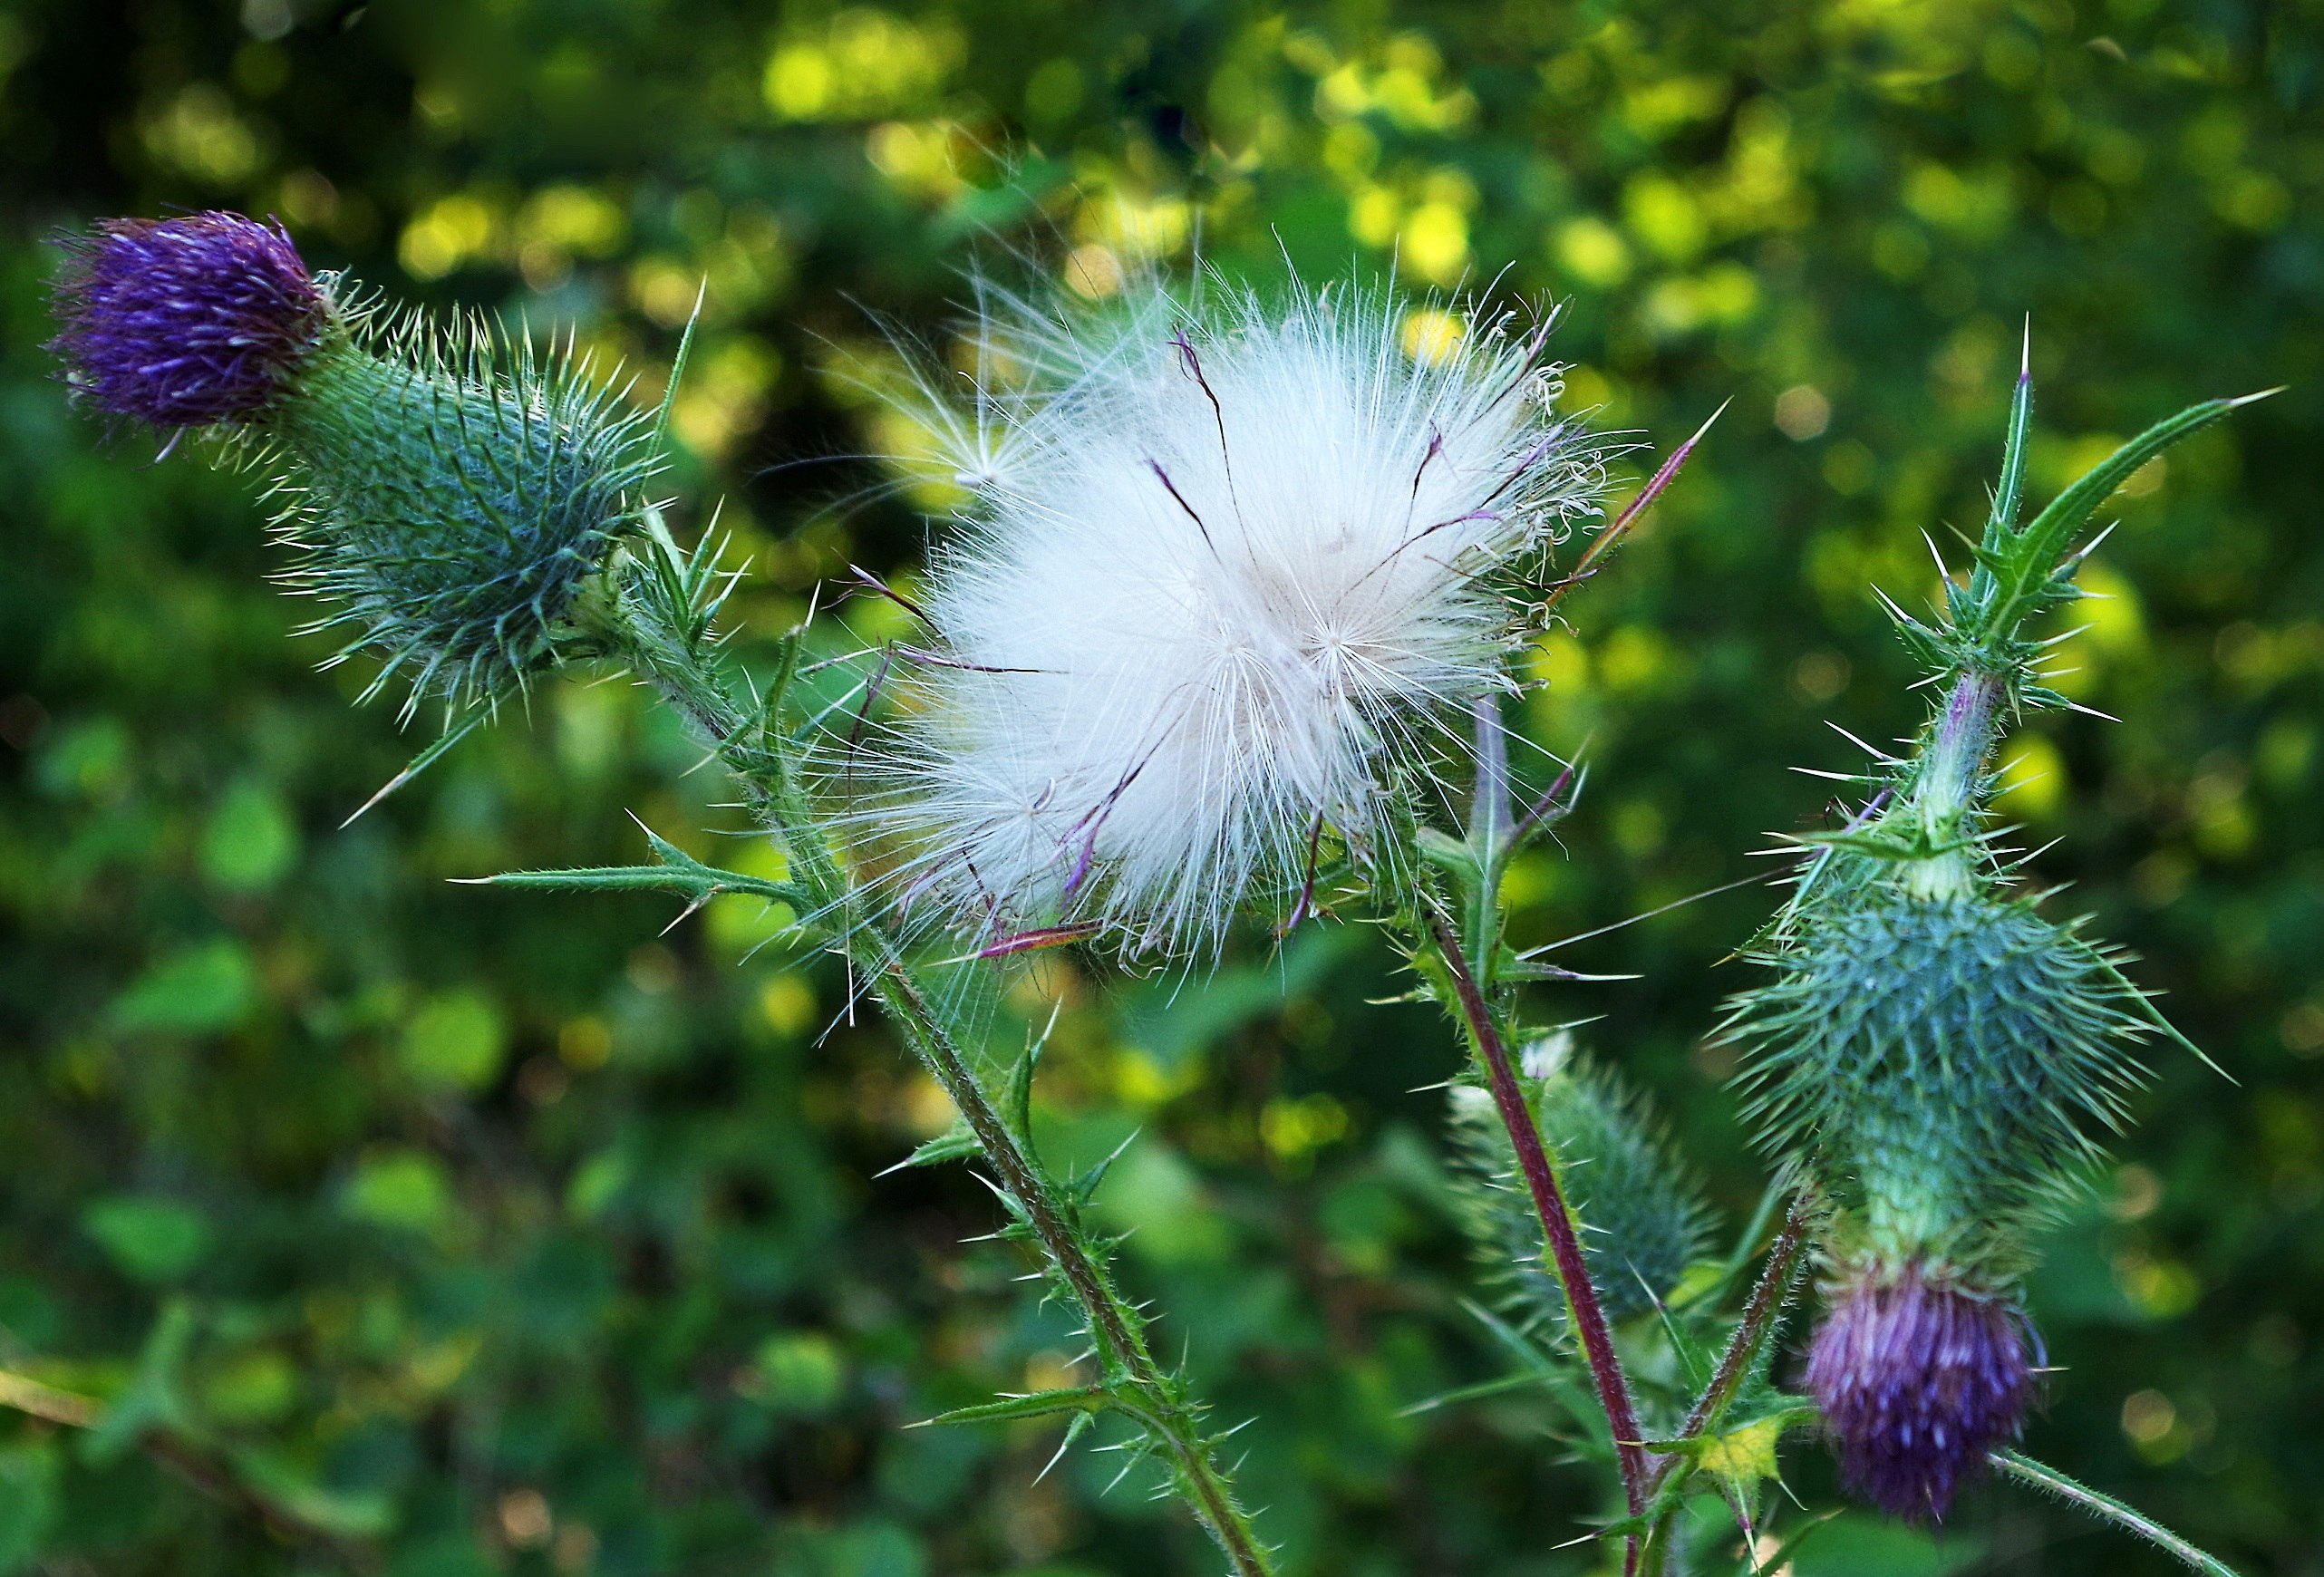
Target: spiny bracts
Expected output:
[1644,1219]
[452,496]
[1941,1062]
[1230,565]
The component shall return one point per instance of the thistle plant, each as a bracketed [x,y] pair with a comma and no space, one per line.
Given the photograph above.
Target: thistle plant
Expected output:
[1936,1054]
[1222,633]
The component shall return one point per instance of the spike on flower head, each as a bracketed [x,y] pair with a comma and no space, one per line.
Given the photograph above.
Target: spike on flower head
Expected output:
[188,322]
[1918,1380]
[1231,569]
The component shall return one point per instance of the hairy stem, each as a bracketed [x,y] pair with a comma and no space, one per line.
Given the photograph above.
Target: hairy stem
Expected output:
[1768,1297]
[2107,1508]
[678,672]
[1955,761]
[1557,1220]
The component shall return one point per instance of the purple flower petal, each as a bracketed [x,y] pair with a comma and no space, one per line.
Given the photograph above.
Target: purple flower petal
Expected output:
[185,323]
[1918,1380]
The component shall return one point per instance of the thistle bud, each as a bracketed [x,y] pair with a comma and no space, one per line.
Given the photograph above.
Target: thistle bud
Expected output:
[453,498]
[1917,1378]
[1936,1063]
[1940,1063]
[1644,1218]
[449,491]
[1936,1058]
[185,323]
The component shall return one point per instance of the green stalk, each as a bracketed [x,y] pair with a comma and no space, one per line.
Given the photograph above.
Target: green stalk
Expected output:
[2107,1508]
[642,633]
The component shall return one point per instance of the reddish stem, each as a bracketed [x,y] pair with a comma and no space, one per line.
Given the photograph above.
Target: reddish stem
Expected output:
[1556,1220]
[1767,1301]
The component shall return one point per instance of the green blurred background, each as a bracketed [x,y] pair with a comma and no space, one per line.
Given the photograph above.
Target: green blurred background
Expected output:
[499,1233]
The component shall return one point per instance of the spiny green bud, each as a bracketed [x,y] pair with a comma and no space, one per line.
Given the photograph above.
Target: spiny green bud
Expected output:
[1938,1058]
[450,492]
[452,495]
[1939,1063]
[1643,1218]
[1934,1054]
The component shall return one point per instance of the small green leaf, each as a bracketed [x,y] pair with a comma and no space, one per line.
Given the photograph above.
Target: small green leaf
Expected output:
[2025,564]
[258,1385]
[250,840]
[152,1400]
[1451,855]
[2014,444]
[198,990]
[955,1144]
[156,1241]
[29,1500]
[408,1189]
[1740,1457]
[457,1041]
[1086,1186]
[799,1373]
[1036,1404]
[291,1488]
[678,873]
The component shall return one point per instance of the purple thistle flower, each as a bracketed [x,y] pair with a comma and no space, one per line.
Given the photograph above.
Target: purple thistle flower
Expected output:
[185,323]
[1918,1380]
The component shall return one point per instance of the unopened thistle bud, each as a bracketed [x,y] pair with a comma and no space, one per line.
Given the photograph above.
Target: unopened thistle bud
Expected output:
[449,493]
[1933,1053]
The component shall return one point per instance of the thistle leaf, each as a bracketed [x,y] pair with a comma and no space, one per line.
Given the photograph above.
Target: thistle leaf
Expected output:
[1034,1405]
[955,1144]
[678,873]
[2018,576]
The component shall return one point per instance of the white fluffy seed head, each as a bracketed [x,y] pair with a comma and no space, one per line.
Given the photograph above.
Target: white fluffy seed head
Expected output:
[1230,567]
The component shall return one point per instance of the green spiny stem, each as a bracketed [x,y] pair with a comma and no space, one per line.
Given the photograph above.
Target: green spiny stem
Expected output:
[665,658]
[1949,781]
[1557,1222]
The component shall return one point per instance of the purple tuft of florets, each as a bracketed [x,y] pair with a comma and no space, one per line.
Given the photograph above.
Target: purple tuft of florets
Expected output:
[1918,1380]
[185,323]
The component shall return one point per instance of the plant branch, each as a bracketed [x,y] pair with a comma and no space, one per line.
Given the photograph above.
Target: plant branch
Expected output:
[2025,1470]
[1589,1319]
[660,651]
[191,1463]
[1768,1297]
